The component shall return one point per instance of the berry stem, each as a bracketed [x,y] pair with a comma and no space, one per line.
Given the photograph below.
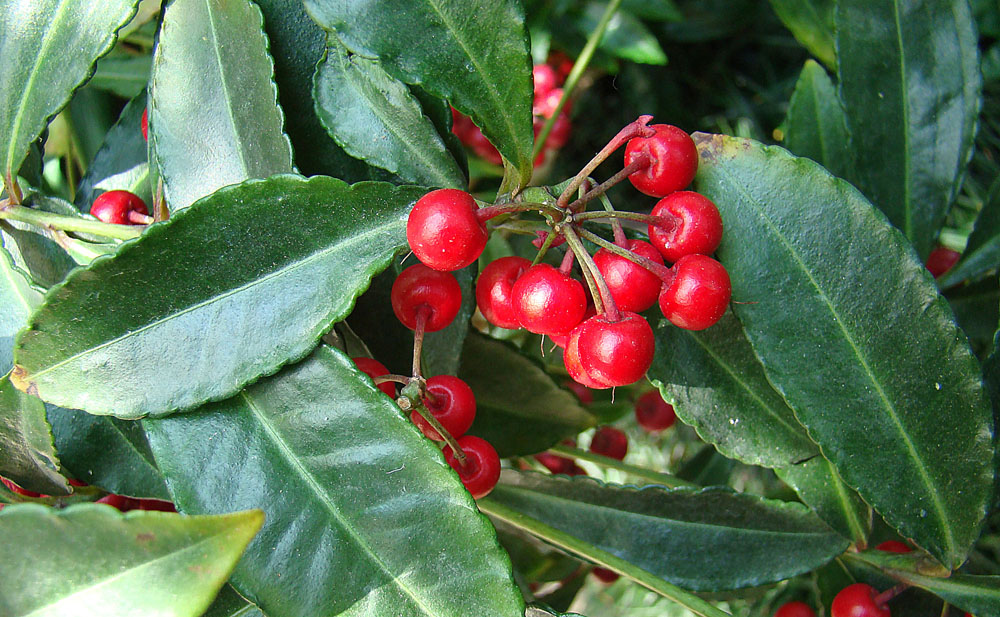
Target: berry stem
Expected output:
[138,218]
[596,215]
[616,225]
[639,472]
[61,222]
[423,314]
[567,263]
[664,273]
[485,214]
[13,189]
[442,431]
[604,303]
[636,128]
[549,239]
[639,162]
[883,598]
[401,379]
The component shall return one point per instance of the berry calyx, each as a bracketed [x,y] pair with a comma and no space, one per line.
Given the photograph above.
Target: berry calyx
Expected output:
[894,546]
[698,295]
[941,260]
[451,401]
[633,287]
[443,230]
[145,124]
[653,413]
[546,301]
[120,208]
[481,471]
[418,289]
[373,368]
[611,442]
[858,600]
[494,290]
[604,575]
[615,353]
[673,160]
[795,609]
[694,225]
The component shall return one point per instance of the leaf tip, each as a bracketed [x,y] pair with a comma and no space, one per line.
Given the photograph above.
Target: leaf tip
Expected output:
[19,377]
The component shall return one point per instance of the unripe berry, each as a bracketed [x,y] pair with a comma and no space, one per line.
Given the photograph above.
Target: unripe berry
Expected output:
[698,295]
[694,225]
[443,230]
[673,160]
[452,403]
[482,465]
[494,290]
[418,288]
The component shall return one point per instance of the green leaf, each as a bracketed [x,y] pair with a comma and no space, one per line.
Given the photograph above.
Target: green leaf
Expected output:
[718,386]
[213,114]
[474,53]
[363,515]
[90,559]
[374,117]
[228,302]
[18,298]
[49,48]
[519,408]
[977,309]
[231,604]
[704,539]
[818,486]
[910,84]
[124,74]
[29,456]
[982,253]
[106,452]
[811,23]
[626,37]
[440,349]
[35,253]
[653,10]
[866,353]
[815,126]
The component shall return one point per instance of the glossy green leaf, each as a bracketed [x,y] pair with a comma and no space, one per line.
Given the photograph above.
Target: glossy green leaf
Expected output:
[49,48]
[228,302]
[91,560]
[90,116]
[121,161]
[519,408]
[474,53]
[106,452]
[374,117]
[18,298]
[213,113]
[123,74]
[231,604]
[815,126]
[718,386]
[363,515]
[35,253]
[626,37]
[866,353]
[440,352]
[982,253]
[701,539]
[910,84]
[29,456]
[818,486]
[811,22]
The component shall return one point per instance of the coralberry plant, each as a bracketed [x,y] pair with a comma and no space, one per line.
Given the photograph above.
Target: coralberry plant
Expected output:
[498,307]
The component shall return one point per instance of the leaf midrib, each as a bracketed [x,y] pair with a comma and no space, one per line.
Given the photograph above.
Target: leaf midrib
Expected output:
[225,90]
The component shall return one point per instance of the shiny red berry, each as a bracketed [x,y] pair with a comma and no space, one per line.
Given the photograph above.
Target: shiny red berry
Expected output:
[941,260]
[544,78]
[673,160]
[604,575]
[561,130]
[156,505]
[633,287]
[581,391]
[556,463]
[119,208]
[698,294]
[616,353]
[857,600]
[420,289]
[692,225]
[571,360]
[546,301]
[611,442]
[494,290]
[653,413]
[373,368]
[443,230]
[120,502]
[545,105]
[451,401]
[894,546]
[145,124]
[482,465]
[795,609]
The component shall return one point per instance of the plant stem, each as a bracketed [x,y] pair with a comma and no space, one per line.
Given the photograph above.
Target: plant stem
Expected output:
[423,313]
[597,215]
[601,557]
[663,272]
[639,472]
[62,222]
[603,302]
[616,225]
[549,239]
[403,379]
[443,432]
[485,214]
[636,128]
[640,161]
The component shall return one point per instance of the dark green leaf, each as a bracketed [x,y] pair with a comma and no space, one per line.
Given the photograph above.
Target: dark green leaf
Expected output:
[374,117]
[982,253]
[910,84]
[474,53]
[90,118]
[18,298]
[626,37]
[48,48]
[124,74]
[121,161]
[718,386]
[439,112]
[228,303]
[90,559]
[977,310]
[866,353]
[441,349]
[36,253]
[363,515]
[29,456]
[815,126]
[519,408]
[705,539]
[231,604]
[818,486]
[811,22]
[653,10]
[213,114]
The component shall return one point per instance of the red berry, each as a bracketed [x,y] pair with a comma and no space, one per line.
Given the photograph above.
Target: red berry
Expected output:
[546,301]
[545,105]
[581,391]
[121,502]
[420,288]
[482,465]
[451,402]
[698,295]
[145,124]
[941,260]
[857,600]
[894,546]
[545,79]
[563,339]
[20,491]
[73,482]
[156,505]
[373,368]
[694,226]
[633,287]
[653,413]
[674,160]
[556,463]
[561,129]
[494,290]
[571,359]
[116,206]
[443,230]
[795,609]
[604,575]
[609,441]
[482,146]
[616,353]
[461,125]
[576,470]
